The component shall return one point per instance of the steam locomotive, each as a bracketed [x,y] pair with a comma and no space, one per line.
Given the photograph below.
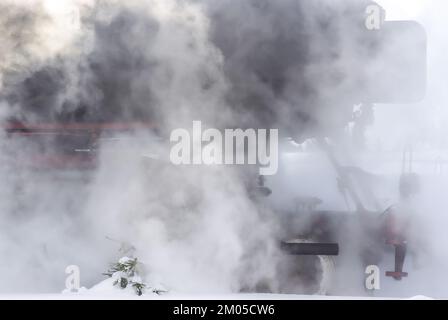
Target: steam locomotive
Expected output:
[296,65]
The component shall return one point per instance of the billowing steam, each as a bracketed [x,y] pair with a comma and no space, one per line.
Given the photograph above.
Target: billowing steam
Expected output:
[284,64]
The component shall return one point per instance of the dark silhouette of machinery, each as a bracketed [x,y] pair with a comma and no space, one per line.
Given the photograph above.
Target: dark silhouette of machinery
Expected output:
[305,67]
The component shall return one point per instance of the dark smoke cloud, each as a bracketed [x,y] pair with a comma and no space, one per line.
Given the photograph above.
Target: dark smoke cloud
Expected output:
[288,60]
[285,64]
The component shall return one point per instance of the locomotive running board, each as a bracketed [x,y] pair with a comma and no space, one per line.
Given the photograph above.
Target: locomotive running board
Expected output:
[310,249]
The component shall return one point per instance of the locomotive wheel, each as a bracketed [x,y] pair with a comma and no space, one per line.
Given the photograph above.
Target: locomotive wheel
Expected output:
[300,274]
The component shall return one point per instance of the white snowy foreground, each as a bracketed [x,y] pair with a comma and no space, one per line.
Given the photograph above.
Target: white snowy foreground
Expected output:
[105,291]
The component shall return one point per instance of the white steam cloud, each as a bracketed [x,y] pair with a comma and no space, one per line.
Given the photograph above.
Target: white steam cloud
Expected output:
[284,64]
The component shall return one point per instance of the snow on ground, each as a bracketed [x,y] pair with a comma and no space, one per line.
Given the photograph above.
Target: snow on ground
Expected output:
[105,290]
